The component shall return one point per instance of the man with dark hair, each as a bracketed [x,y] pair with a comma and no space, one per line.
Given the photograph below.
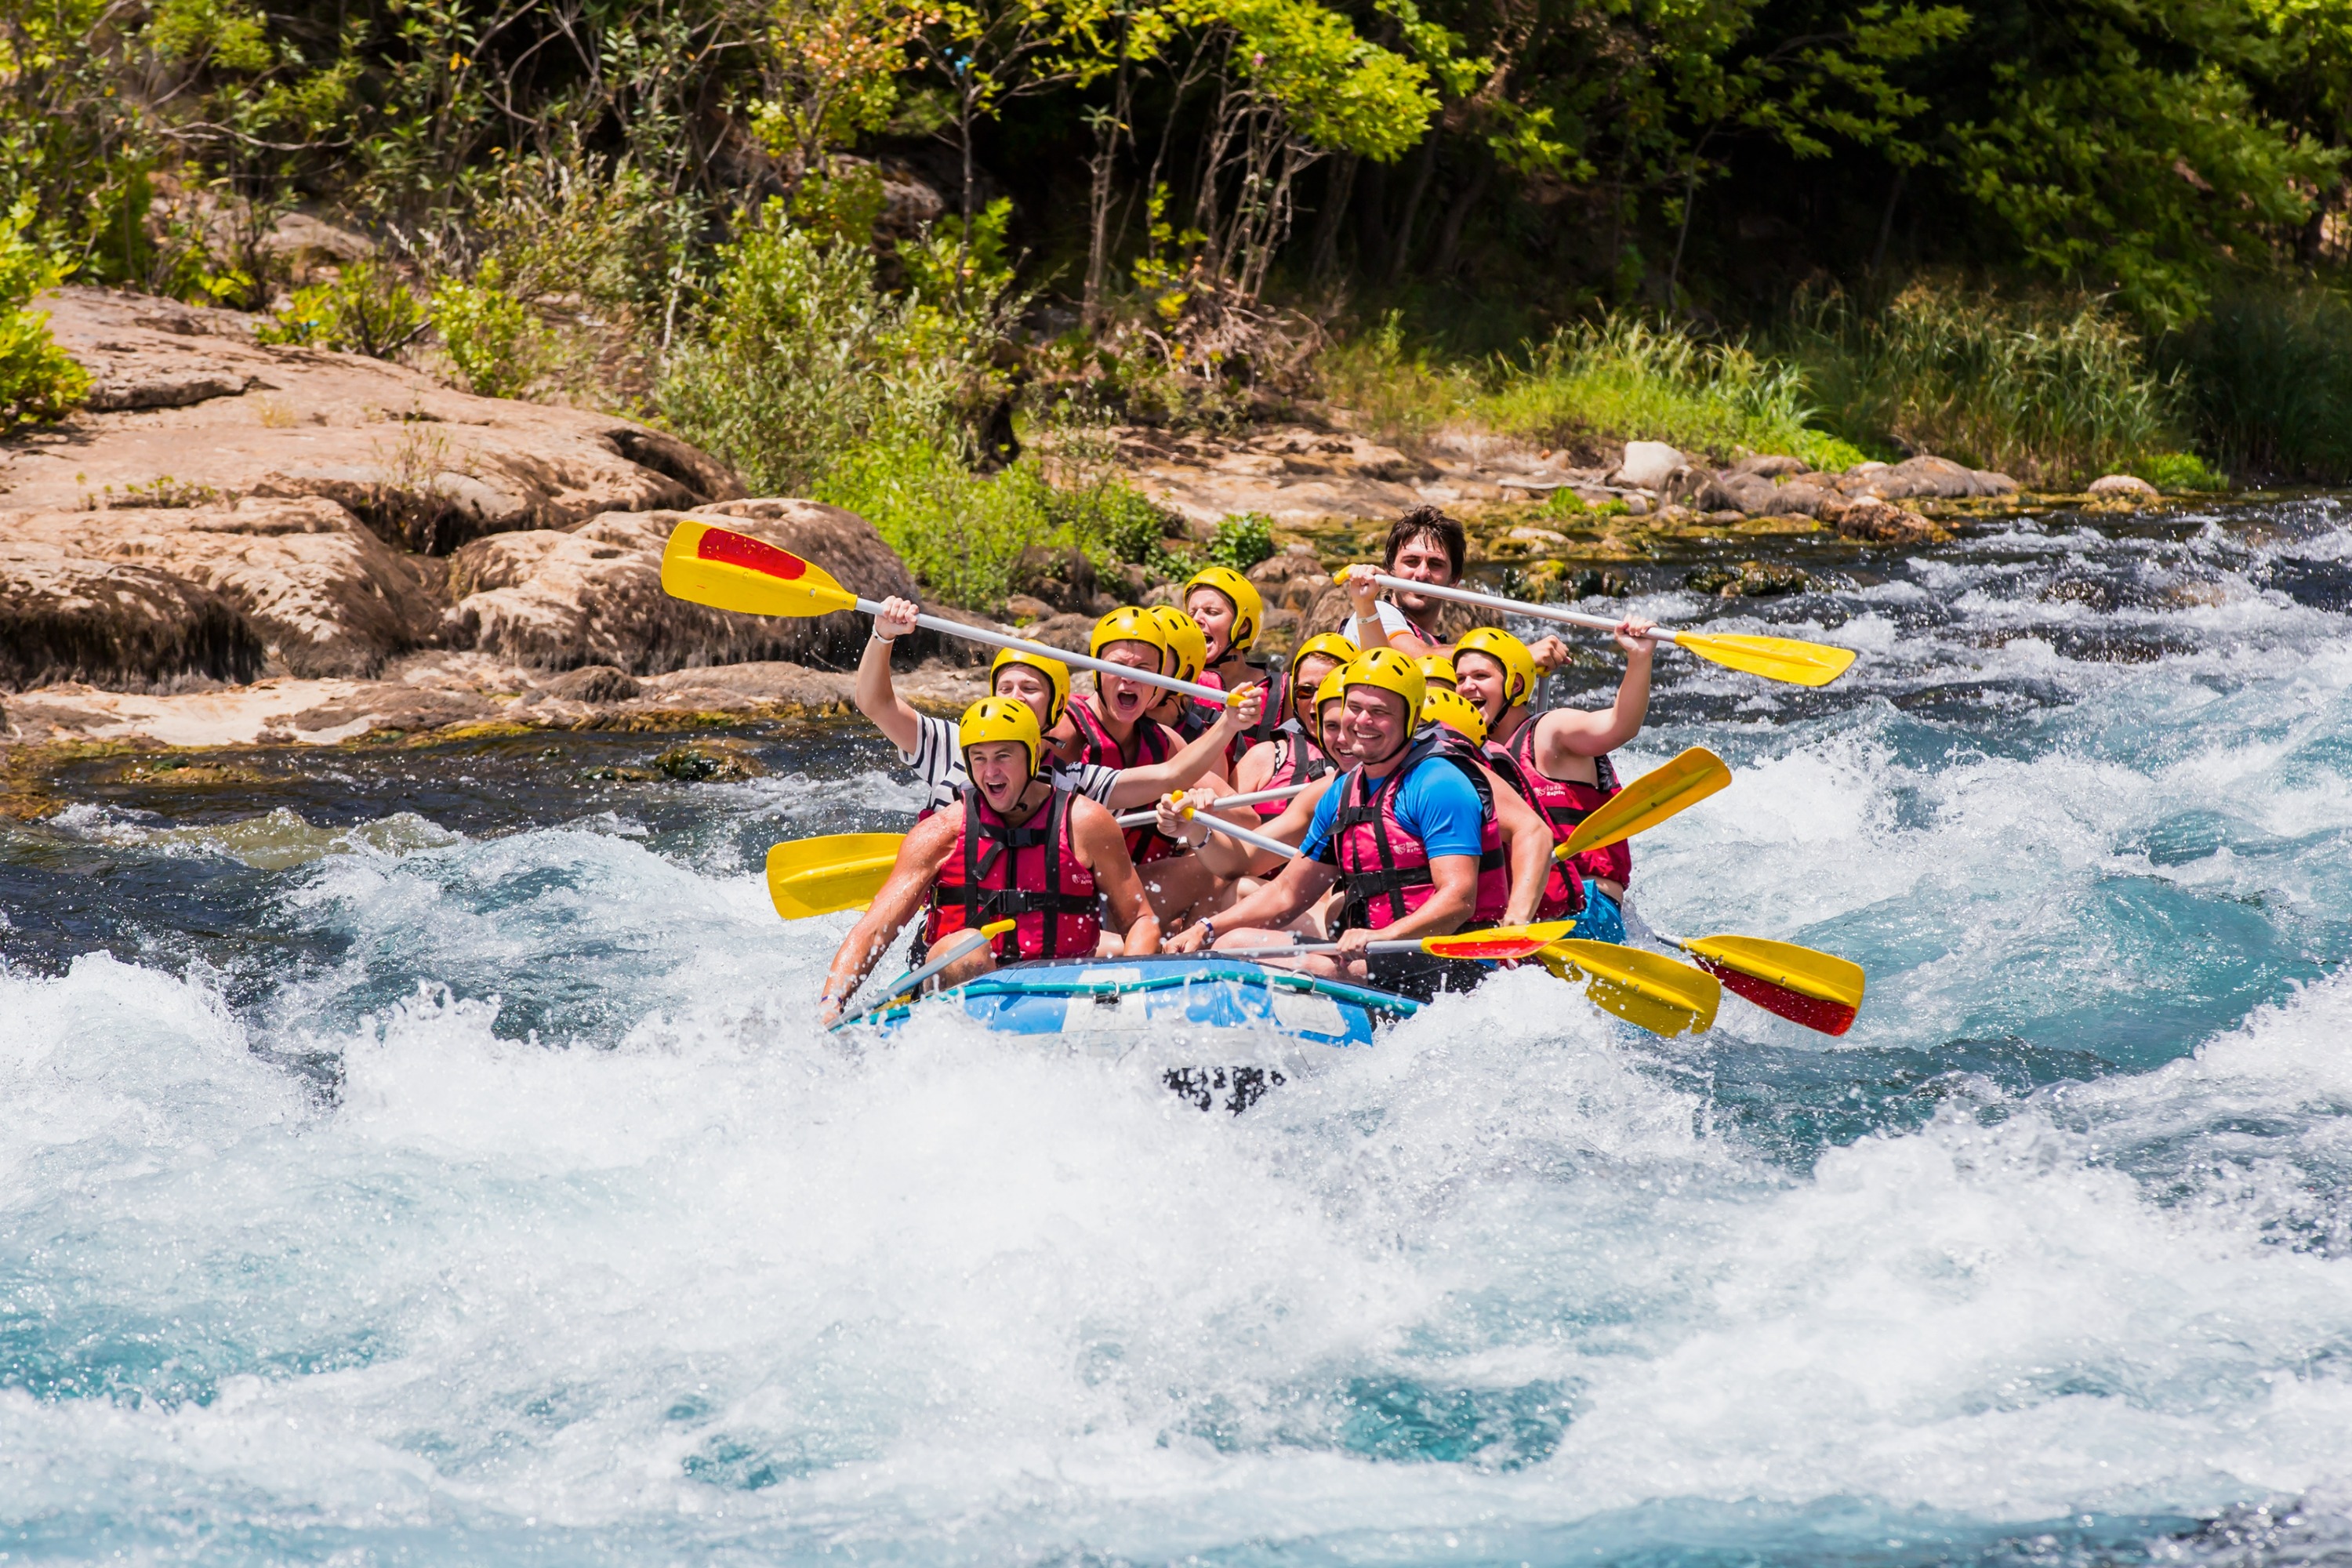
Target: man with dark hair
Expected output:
[1426,546]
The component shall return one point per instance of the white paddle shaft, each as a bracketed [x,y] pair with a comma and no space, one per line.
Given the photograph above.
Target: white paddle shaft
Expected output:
[1137,818]
[1496,602]
[1218,824]
[971,941]
[1209,695]
[1409,945]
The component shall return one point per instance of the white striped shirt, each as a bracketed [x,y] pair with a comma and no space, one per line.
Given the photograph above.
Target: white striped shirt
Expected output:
[938,761]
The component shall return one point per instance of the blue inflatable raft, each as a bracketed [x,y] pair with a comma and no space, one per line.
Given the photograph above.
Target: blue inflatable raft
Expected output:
[1177,1012]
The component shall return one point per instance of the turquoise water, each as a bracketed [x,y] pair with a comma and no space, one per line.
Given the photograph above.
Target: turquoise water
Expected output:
[427,1157]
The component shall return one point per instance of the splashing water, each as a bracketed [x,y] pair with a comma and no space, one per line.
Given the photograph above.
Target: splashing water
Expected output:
[432,1158]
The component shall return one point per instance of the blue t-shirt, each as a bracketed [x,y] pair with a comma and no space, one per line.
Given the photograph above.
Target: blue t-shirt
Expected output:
[1437,806]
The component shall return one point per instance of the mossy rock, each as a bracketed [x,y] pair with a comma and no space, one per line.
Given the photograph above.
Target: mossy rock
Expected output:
[1749,580]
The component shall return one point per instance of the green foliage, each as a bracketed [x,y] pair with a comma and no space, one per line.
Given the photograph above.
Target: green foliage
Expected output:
[497,342]
[2174,472]
[38,381]
[1338,91]
[369,309]
[1242,540]
[1624,376]
[2269,376]
[2051,393]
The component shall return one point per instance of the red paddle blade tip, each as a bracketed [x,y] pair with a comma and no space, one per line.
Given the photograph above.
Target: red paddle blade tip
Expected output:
[1500,948]
[1828,1017]
[728,548]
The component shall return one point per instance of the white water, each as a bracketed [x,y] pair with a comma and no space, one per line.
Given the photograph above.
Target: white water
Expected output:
[595,1249]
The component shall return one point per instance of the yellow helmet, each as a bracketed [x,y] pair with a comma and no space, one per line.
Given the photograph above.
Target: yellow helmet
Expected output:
[1389,671]
[1334,686]
[1518,664]
[1454,712]
[1056,674]
[1436,666]
[1128,623]
[1000,719]
[1249,609]
[1323,645]
[1186,640]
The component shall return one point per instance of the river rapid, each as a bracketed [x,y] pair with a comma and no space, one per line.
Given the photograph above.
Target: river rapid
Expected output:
[427,1155]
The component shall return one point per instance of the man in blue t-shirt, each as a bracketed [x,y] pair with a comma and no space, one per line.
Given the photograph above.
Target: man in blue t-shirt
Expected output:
[1436,805]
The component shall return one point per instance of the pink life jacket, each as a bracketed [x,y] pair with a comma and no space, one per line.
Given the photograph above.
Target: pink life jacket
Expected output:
[1564,804]
[1296,760]
[1032,874]
[1153,743]
[1386,869]
[1197,718]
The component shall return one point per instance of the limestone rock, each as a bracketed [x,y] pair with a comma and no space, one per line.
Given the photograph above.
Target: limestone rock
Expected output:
[67,617]
[1924,477]
[1874,522]
[2124,487]
[593,595]
[187,403]
[1749,579]
[1773,466]
[1647,465]
[592,683]
[321,591]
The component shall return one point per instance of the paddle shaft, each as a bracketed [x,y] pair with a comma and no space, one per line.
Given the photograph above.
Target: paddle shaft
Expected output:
[1495,601]
[971,941]
[1209,696]
[1410,944]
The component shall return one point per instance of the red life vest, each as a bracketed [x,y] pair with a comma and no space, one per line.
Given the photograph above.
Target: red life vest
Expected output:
[1563,803]
[1031,874]
[1153,743]
[1296,760]
[1197,718]
[1386,869]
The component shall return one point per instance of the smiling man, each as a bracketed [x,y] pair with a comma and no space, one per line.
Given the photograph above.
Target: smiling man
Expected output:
[1053,862]
[1426,546]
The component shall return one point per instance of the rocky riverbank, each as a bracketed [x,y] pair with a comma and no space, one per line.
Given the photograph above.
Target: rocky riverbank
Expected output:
[238,544]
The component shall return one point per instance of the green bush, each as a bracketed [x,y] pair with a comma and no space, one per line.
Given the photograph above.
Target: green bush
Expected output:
[38,381]
[497,342]
[1242,540]
[369,309]
[2176,471]
[2269,382]
[2051,393]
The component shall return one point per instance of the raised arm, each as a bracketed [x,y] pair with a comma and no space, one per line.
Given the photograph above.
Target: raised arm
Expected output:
[1102,849]
[920,856]
[1143,786]
[874,695]
[1588,733]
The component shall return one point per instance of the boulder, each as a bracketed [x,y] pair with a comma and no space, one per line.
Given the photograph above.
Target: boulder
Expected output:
[1748,579]
[592,683]
[1647,466]
[1773,466]
[66,617]
[560,600]
[324,594]
[1750,495]
[2124,487]
[1874,522]
[1924,477]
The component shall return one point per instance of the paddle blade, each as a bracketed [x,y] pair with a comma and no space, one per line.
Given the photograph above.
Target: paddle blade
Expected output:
[1644,989]
[731,571]
[1649,800]
[1774,658]
[1819,990]
[817,876]
[1500,942]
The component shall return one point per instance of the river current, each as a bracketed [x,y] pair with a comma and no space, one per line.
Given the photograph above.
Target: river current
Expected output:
[427,1155]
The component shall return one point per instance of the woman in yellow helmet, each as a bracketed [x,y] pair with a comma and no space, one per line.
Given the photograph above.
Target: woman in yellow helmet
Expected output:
[1559,760]
[1020,848]
[1295,754]
[1231,612]
[929,745]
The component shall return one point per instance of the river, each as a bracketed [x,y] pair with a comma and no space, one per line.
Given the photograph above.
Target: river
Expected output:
[426,1155]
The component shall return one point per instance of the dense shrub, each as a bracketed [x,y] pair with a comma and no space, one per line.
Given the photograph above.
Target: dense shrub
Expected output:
[37,380]
[495,340]
[368,308]
[2269,383]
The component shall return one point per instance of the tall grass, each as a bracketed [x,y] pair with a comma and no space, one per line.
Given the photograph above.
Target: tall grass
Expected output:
[2269,382]
[2051,392]
[1624,376]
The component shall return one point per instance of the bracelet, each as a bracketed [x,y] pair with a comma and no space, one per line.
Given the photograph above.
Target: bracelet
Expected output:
[877,637]
[1208,932]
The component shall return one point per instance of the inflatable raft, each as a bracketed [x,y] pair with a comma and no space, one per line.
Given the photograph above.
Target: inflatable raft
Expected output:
[1222,1031]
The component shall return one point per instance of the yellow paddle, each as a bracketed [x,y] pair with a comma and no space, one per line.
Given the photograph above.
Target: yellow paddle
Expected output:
[1819,990]
[1649,800]
[706,564]
[1642,988]
[843,871]
[1774,658]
